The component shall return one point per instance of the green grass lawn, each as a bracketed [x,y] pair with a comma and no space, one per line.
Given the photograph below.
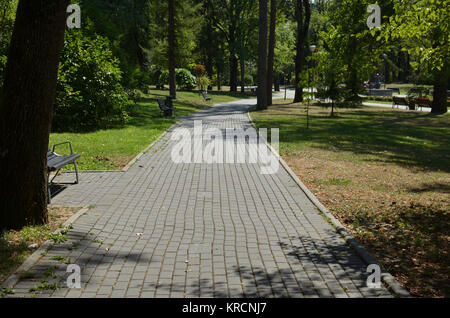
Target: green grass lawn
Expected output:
[112,149]
[405,87]
[378,101]
[385,174]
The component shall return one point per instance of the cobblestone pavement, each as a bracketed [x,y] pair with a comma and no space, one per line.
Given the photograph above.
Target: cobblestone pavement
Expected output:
[197,230]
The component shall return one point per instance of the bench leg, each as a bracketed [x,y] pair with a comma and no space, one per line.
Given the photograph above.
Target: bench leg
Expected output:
[76,172]
[48,189]
[57,172]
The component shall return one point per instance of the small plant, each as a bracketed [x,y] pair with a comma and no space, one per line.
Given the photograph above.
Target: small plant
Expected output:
[99,241]
[45,286]
[58,237]
[6,291]
[57,258]
[203,82]
[61,259]
[50,272]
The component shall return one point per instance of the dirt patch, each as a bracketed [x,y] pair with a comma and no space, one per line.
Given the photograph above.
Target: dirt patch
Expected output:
[14,244]
[401,215]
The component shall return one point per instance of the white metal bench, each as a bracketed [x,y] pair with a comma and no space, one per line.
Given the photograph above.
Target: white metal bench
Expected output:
[56,162]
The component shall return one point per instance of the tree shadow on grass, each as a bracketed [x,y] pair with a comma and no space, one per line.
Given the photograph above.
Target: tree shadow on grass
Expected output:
[404,138]
[438,187]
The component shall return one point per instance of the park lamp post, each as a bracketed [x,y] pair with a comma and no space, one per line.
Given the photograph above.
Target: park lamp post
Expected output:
[311,90]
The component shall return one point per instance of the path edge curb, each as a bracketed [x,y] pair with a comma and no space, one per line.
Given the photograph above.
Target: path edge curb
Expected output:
[13,279]
[143,152]
[386,277]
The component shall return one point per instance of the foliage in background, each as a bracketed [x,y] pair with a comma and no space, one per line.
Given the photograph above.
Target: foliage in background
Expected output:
[184,78]
[429,39]
[89,93]
[203,82]
[188,22]
[7,15]
[351,44]
[126,24]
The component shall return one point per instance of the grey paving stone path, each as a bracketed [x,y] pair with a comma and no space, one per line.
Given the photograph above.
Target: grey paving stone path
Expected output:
[198,230]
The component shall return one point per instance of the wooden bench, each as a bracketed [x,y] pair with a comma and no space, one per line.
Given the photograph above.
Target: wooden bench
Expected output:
[399,101]
[166,110]
[395,90]
[56,162]
[423,102]
[205,96]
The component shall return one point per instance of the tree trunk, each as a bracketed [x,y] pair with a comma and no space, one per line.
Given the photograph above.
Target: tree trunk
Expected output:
[262,60]
[303,15]
[273,21]
[219,81]
[26,111]
[440,93]
[209,70]
[276,82]
[242,74]
[172,75]
[233,73]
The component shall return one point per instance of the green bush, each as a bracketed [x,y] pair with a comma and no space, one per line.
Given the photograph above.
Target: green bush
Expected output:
[204,82]
[184,78]
[248,79]
[89,93]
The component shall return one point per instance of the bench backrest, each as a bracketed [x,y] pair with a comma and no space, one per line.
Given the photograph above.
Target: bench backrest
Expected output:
[400,100]
[161,104]
[423,102]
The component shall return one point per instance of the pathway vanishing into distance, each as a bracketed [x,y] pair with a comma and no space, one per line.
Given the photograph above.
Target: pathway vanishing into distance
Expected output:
[162,229]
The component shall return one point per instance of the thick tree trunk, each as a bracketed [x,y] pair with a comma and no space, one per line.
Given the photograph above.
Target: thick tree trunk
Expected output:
[26,111]
[219,81]
[172,75]
[276,82]
[242,74]
[303,15]
[352,82]
[209,70]
[233,73]
[440,93]
[273,21]
[262,60]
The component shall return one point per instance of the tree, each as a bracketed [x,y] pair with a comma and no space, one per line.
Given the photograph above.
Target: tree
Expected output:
[330,82]
[262,59]
[128,26]
[285,50]
[425,24]
[356,49]
[172,48]
[26,108]
[7,13]
[303,16]
[229,17]
[270,65]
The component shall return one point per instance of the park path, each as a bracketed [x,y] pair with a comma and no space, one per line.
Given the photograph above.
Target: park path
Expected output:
[162,229]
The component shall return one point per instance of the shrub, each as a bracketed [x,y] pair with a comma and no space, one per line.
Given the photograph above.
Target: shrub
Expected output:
[184,78]
[204,82]
[199,70]
[89,93]
[248,79]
